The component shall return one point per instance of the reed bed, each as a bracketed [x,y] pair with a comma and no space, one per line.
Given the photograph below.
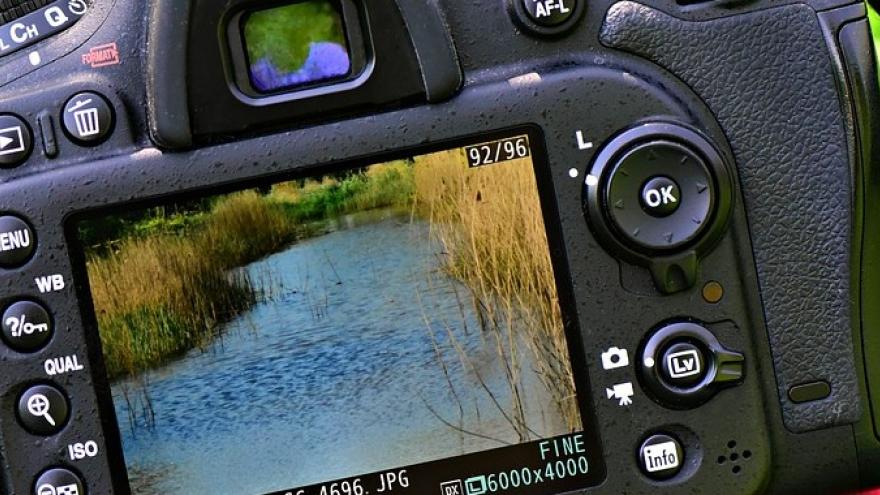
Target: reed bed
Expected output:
[160,295]
[160,291]
[168,284]
[490,224]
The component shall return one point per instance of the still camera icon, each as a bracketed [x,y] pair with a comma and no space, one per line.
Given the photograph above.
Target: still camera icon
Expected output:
[614,358]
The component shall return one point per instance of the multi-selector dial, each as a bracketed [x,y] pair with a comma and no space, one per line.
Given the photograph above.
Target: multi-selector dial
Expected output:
[659,195]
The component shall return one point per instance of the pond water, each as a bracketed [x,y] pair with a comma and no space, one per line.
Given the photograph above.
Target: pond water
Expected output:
[361,357]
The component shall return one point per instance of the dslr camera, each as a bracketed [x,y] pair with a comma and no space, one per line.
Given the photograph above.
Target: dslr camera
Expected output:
[438,247]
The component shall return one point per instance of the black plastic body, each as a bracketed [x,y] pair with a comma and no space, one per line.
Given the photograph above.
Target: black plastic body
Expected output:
[786,91]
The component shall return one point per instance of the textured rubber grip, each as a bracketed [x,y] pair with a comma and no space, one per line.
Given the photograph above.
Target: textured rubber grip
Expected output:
[769,78]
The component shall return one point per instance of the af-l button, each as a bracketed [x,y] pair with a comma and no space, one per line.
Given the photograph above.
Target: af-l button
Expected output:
[550,13]
[16,141]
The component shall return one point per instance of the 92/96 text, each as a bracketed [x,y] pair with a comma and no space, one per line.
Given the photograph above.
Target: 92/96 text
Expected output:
[500,151]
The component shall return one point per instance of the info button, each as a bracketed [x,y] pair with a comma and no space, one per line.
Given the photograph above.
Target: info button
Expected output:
[661,457]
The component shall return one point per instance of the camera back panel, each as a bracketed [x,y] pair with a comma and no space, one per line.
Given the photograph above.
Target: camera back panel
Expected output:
[698,177]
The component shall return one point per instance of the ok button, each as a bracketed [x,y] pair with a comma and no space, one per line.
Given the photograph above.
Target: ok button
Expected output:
[660,197]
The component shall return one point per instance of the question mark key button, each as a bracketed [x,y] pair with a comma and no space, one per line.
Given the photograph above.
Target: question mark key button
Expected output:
[26,326]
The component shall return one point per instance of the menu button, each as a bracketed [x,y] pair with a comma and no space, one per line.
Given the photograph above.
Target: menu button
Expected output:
[17,241]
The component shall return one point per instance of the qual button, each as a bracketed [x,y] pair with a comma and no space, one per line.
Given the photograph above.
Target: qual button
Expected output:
[16,141]
[88,118]
[27,326]
[17,241]
[43,410]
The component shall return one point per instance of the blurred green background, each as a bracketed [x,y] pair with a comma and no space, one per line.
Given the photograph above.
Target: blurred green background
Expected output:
[875,26]
[284,34]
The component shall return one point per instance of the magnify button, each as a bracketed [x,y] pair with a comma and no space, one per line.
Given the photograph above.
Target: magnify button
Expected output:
[43,410]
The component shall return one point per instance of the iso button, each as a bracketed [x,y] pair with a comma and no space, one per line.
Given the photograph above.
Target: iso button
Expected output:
[88,118]
[59,481]
[16,141]
[17,242]
[550,13]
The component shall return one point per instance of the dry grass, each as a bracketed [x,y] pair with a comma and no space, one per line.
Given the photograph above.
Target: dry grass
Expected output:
[159,296]
[489,221]
[159,293]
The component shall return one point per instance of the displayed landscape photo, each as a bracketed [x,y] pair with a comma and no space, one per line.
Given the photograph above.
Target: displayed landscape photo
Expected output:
[296,45]
[328,327]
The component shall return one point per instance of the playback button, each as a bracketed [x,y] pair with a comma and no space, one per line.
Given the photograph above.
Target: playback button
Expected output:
[16,141]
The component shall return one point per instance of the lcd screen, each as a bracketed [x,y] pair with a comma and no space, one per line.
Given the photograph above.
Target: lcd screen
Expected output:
[295,45]
[391,328]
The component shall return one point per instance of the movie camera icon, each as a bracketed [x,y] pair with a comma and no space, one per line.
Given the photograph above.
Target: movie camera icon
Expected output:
[622,392]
